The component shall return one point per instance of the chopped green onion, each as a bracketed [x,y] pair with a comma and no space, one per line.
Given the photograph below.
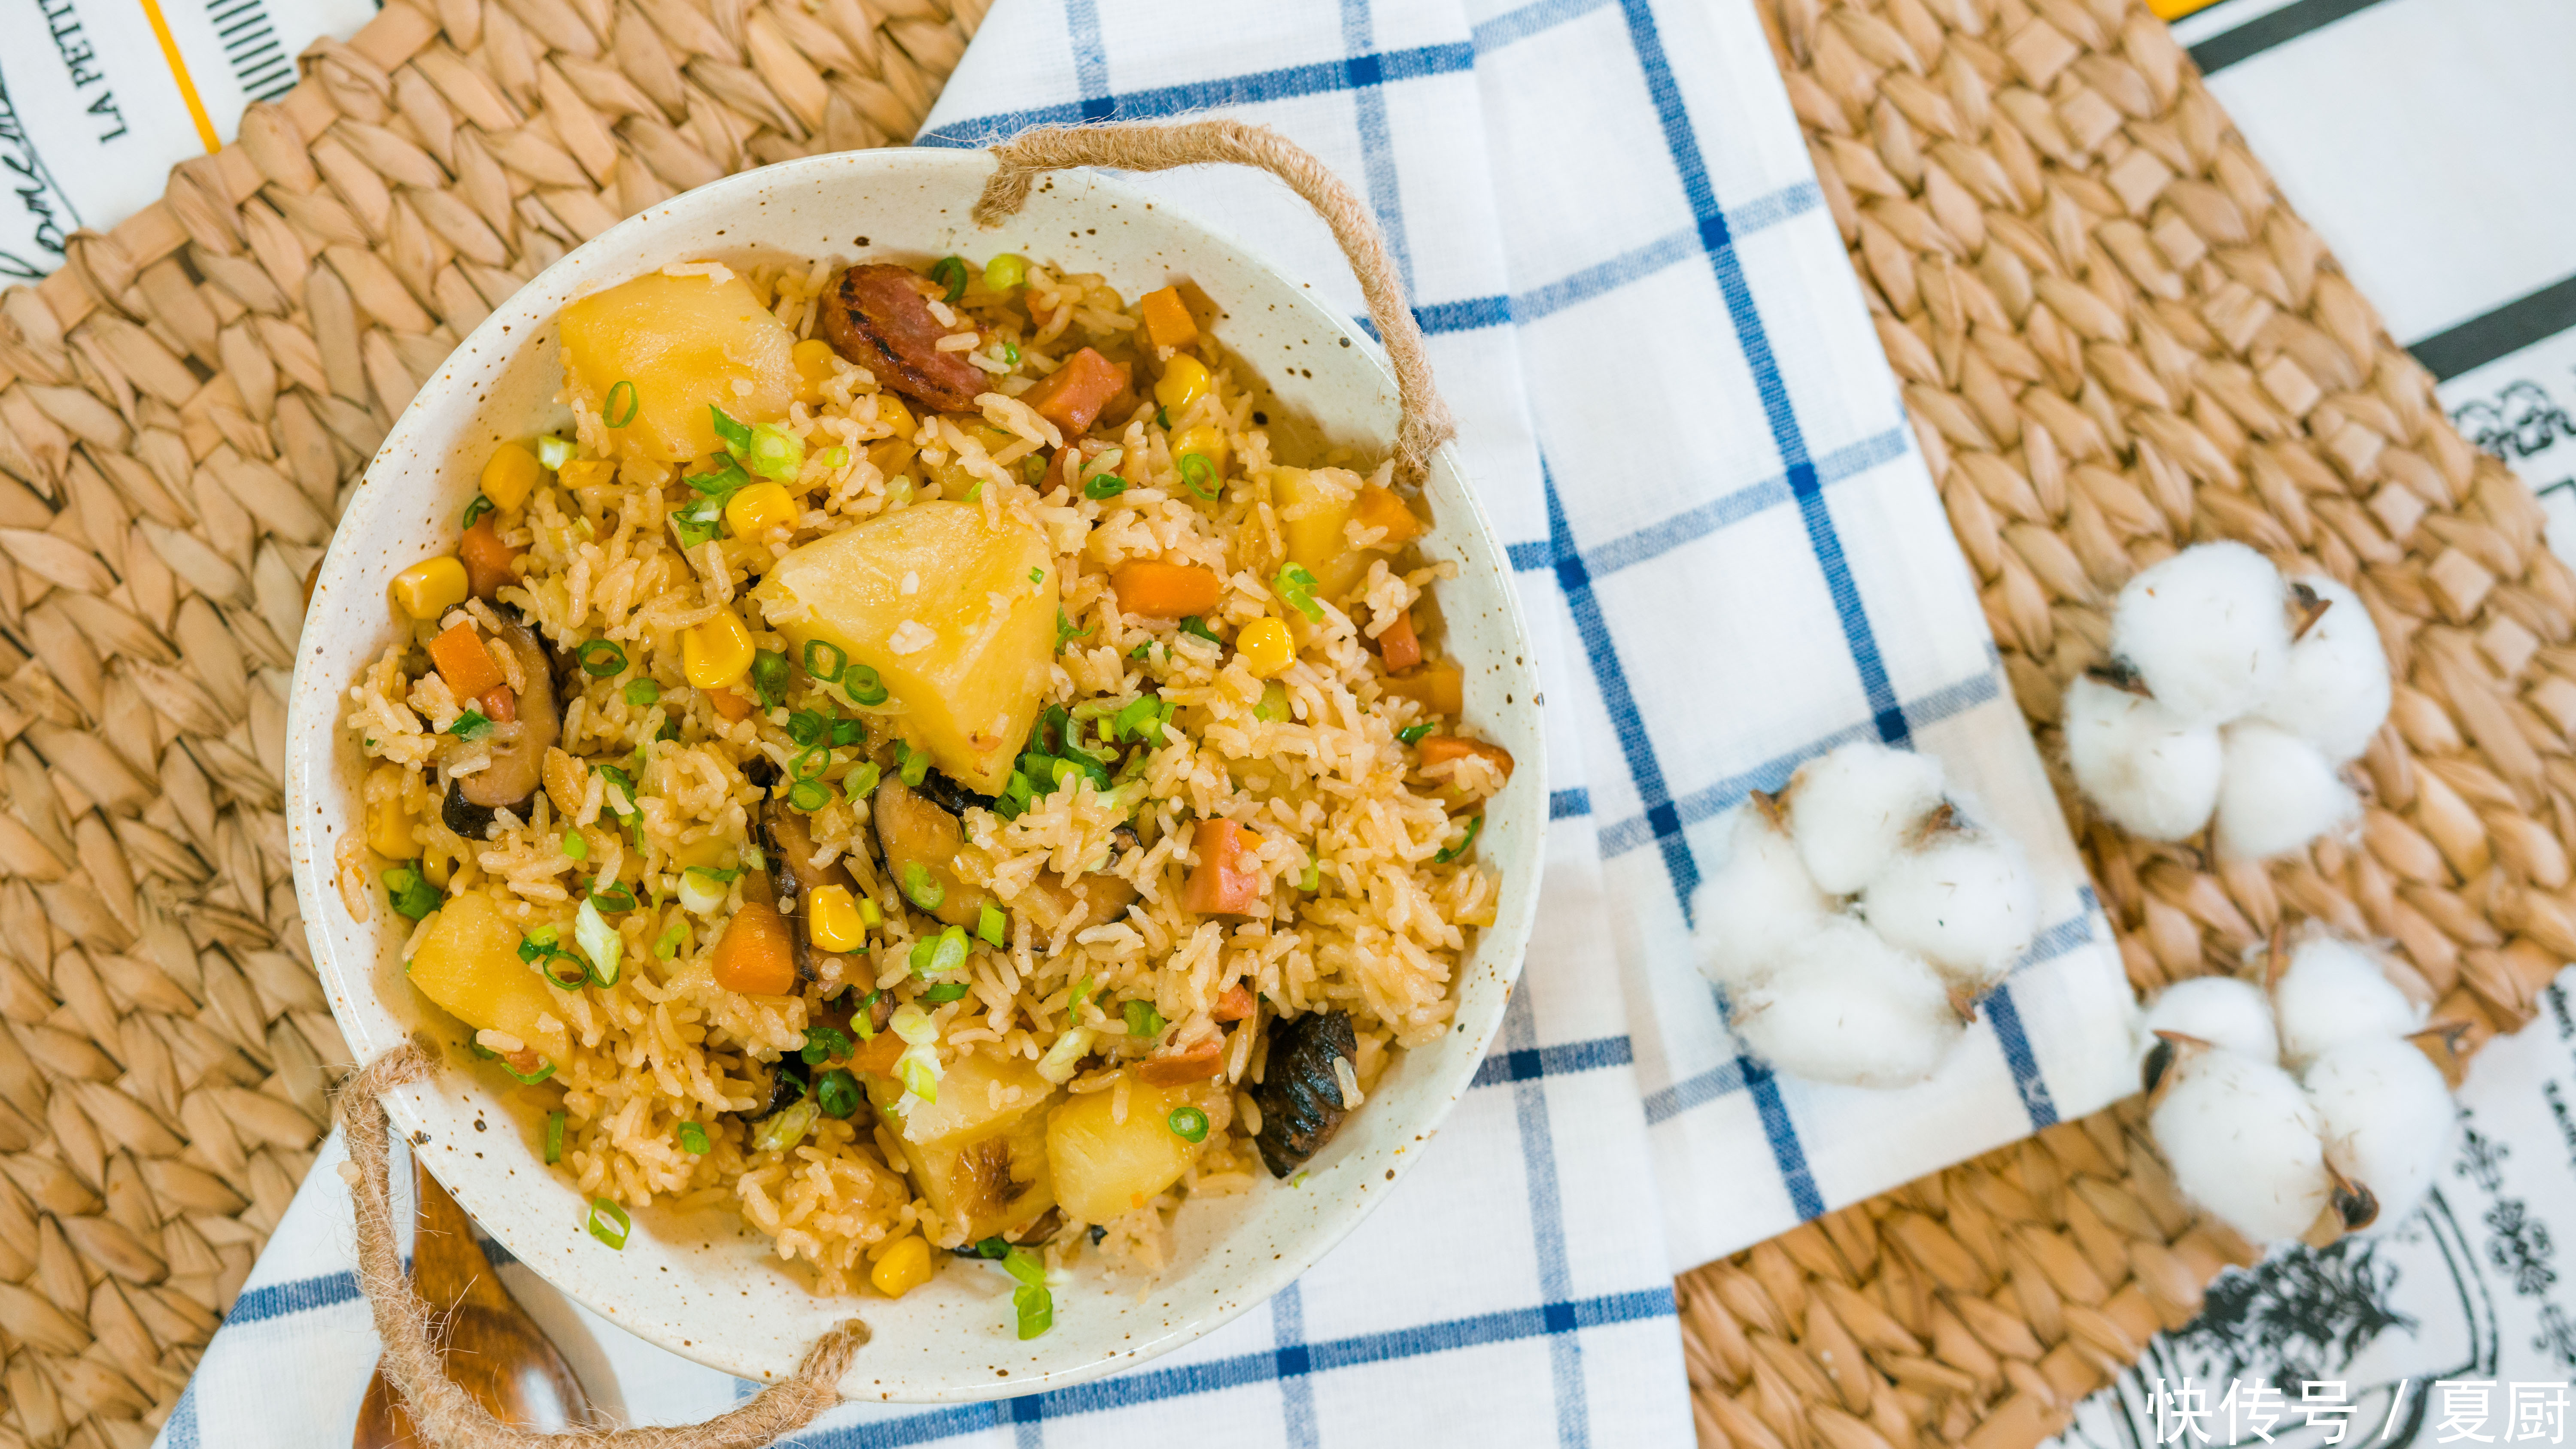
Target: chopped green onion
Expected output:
[1107,485]
[951,951]
[863,1016]
[860,781]
[837,1093]
[1005,271]
[861,682]
[1065,633]
[1295,584]
[1073,1000]
[608,410]
[1143,1020]
[945,991]
[1412,734]
[411,893]
[600,942]
[693,1139]
[805,727]
[786,1129]
[599,658]
[769,677]
[1038,577]
[809,764]
[470,726]
[1142,720]
[1273,705]
[1468,839]
[950,273]
[775,453]
[723,483]
[554,452]
[554,1137]
[823,1043]
[1198,626]
[736,436]
[609,1222]
[476,509]
[1188,1123]
[974,492]
[1010,353]
[1025,1265]
[836,457]
[615,898]
[669,946]
[809,795]
[1163,418]
[1199,474]
[991,926]
[1313,879]
[576,845]
[849,732]
[643,693]
[817,651]
[544,1070]
[920,889]
[914,767]
[919,1078]
[1036,1309]
[995,1247]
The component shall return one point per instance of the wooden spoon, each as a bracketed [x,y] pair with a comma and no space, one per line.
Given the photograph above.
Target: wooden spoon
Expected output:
[493,1350]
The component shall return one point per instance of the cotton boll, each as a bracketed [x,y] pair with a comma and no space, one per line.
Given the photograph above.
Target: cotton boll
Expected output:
[2334,692]
[1844,1006]
[1966,903]
[2207,631]
[2332,993]
[2155,776]
[2277,793]
[2229,1014]
[2388,1121]
[2243,1142]
[1850,809]
[1756,904]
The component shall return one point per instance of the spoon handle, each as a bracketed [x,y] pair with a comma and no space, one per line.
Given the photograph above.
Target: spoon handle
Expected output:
[448,1265]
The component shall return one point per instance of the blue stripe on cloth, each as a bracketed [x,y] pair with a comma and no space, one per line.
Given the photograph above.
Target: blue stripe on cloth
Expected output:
[1155,1385]
[1571,804]
[1296,1389]
[1656,540]
[1782,1134]
[1528,1064]
[1090,57]
[276,1300]
[1547,1228]
[181,1430]
[1285,83]
[1718,242]
[1718,1081]
[1377,151]
[2015,1044]
[1955,698]
[1529,20]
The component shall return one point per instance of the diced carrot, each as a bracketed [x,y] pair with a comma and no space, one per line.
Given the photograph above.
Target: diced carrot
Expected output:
[487,558]
[1072,395]
[1399,645]
[1235,1004]
[1229,879]
[1438,687]
[1167,318]
[1378,507]
[877,1054]
[1193,1064]
[1441,749]
[500,705]
[524,1061]
[463,662]
[729,704]
[1154,590]
[755,956]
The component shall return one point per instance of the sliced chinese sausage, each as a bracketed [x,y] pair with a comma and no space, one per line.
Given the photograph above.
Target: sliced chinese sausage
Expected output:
[1300,1095]
[876,317]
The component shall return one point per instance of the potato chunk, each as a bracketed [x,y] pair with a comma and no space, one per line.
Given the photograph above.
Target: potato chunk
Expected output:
[978,1155]
[469,964]
[955,616]
[1105,1167]
[684,342]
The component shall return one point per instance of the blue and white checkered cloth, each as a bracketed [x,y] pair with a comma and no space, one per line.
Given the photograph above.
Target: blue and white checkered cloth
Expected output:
[1672,402]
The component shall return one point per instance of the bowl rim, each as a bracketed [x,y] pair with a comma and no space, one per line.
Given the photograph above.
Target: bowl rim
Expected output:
[309,818]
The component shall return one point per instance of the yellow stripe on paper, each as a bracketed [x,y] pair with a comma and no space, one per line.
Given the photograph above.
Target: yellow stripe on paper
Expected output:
[179,73]
[2165,9]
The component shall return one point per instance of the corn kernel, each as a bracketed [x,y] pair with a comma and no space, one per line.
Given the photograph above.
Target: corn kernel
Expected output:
[1207,442]
[587,473]
[1184,381]
[892,452]
[832,914]
[755,510]
[813,358]
[904,1267]
[716,653]
[510,475]
[389,828]
[436,867]
[1266,647]
[430,587]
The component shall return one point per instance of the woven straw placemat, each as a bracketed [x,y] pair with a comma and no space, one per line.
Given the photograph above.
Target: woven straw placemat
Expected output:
[2114,338]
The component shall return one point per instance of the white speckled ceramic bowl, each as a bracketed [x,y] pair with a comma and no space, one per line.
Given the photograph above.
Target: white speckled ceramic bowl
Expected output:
[705,1285]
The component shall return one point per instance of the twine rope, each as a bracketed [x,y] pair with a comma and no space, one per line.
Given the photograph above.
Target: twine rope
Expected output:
[1151,146]
[447,1414]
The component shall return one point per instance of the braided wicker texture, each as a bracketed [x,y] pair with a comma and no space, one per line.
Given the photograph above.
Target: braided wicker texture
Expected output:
[182,407]
[2116,339]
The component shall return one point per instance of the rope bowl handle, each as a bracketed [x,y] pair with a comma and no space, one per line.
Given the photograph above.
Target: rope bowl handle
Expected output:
[1162,146]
